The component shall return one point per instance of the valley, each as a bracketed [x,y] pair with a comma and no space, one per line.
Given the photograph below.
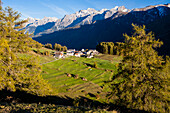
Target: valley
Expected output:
[112,29]
[91,60]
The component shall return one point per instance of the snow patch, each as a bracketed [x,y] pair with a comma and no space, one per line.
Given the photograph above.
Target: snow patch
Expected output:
[169,5]
[161,11]
[116,7]
[125,10]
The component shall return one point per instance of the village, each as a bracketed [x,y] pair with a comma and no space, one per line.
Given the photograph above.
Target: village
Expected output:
[72,52]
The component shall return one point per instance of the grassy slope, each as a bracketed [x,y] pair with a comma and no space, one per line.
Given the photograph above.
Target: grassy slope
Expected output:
[55,73]
[42,58]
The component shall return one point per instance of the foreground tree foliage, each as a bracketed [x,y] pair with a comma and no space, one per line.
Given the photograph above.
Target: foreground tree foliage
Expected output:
[143,77]
[18,73]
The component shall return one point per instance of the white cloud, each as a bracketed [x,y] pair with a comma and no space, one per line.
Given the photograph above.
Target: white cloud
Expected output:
[24,16]
[56,9]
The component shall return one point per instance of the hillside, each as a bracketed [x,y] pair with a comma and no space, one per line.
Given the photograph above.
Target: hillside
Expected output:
[85,80]
[86,84]
[57,74]
[51,78]
[113,28]
[161,29]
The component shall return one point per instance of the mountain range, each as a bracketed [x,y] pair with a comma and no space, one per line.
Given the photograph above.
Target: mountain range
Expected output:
[50,24]
[86,28]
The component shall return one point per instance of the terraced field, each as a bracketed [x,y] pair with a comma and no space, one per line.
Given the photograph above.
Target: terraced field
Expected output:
[90,81]
[94,78]
[85,83]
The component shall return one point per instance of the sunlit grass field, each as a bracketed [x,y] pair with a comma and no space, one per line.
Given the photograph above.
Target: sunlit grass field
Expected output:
[56,74]
[42,58]
[94,86]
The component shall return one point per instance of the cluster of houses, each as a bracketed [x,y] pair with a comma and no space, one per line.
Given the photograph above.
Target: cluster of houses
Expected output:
[72,52]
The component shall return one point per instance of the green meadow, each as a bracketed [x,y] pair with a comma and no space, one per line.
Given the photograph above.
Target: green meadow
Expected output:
[56,74]
[90,81]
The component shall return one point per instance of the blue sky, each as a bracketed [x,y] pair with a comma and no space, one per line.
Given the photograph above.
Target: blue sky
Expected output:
[59,8]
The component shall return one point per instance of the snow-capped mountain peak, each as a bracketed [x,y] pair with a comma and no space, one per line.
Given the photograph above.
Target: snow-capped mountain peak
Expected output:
[116,7]
[86,12]
[82,17]
[37,22]
[90,9]
[169,5]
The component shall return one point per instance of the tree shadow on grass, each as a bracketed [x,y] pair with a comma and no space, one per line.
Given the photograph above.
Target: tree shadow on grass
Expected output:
[23,97]
[86,102]
[89,65]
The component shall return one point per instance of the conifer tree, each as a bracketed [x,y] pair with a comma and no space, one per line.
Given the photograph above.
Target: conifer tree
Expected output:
[59,47]
[110,47]
[143,75]
[18,73]
[38,45]
[105,49]
[48,45]
[55,46]
[18,41]
[64,48]
[99,47]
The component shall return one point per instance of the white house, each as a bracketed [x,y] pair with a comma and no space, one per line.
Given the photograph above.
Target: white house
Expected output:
[70,53]
[93,52]
[81,53]
[71,50]
[82,50]
[89,51]
[77,54]
[59,54]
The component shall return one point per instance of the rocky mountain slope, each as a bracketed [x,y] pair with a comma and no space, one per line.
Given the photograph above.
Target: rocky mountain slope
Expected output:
[33,24]
[82,17]
[112,28]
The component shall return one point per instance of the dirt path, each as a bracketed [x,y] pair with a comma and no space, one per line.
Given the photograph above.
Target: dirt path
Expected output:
[50,61]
